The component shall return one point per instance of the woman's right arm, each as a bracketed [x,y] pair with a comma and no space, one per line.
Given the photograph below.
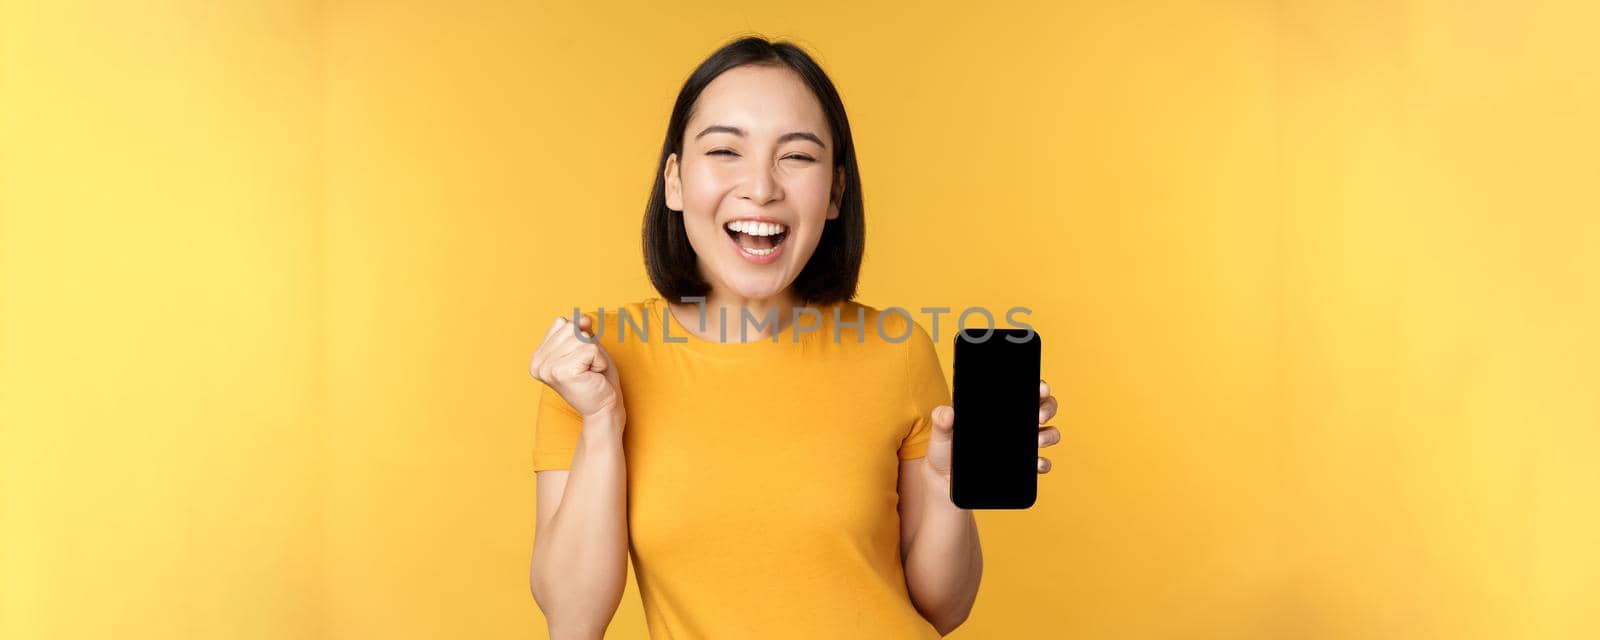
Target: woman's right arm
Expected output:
[580,545]
[580,540]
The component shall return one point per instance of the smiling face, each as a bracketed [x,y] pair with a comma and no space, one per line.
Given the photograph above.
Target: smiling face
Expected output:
[756,182]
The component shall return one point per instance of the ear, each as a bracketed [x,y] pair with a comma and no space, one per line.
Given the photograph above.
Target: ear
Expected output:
[674,192]
[837,198]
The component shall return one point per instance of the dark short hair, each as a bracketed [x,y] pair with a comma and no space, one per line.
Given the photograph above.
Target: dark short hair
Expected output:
[832,272]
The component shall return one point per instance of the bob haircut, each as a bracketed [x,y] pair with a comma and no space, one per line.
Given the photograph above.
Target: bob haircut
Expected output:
[830,275]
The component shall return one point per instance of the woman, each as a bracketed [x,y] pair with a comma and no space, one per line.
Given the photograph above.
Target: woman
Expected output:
[771,476]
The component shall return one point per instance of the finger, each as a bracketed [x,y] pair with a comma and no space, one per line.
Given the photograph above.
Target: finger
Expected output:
[944,418]
[610,370]
[536,364]
[1047,409]
[586,327]
[545,364]
[560,321]
[1044,465]
[584,359]
[558,353]
[571,340]
[600,361]
[1044,390]
[1049,436]
[557,325]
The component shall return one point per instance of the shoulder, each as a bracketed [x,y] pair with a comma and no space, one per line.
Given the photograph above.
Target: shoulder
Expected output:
[610,322]
[611,313]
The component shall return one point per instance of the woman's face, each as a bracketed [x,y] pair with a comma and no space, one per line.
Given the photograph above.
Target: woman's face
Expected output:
[756,182]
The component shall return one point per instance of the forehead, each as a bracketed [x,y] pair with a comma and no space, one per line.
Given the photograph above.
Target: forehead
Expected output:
[765,100]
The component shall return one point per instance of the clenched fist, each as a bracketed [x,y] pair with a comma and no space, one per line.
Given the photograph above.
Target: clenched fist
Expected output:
[581,372]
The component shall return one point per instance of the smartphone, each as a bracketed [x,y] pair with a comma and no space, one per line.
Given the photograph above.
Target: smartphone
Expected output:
[995,443]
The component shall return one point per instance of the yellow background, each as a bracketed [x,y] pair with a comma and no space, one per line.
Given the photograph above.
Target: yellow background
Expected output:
[1318,281]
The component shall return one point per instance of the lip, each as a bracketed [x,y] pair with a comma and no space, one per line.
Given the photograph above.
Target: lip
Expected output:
[771,219]
[752,258]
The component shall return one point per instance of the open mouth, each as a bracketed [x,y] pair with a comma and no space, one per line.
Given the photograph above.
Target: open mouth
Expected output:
[757,238]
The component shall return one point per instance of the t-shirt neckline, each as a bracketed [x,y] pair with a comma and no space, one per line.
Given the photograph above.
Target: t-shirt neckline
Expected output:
[681,336]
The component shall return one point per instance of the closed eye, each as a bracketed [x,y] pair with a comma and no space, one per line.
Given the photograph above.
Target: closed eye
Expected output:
[725,152]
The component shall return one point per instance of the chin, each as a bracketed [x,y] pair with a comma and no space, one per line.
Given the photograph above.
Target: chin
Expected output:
[759,293]
[749,286]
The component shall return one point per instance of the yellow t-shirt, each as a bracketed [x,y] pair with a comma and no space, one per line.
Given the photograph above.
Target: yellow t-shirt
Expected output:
[762,476]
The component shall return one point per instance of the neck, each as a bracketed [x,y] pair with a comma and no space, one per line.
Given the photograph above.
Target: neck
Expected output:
[777,312]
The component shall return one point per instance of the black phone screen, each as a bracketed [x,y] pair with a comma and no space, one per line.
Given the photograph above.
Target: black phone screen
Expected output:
[995,394]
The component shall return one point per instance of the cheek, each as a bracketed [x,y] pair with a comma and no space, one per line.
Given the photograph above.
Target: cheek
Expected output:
[703,188]
[808,196]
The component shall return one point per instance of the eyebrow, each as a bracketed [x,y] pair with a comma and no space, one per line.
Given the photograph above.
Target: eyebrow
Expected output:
[792,135]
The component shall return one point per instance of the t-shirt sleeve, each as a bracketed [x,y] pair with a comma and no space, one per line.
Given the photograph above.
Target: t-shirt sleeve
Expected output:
[928,389]
[555,432]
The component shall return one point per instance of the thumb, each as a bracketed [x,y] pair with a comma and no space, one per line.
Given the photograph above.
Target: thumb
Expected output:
[601,363]
[611,373]
[944,418]
[584,360]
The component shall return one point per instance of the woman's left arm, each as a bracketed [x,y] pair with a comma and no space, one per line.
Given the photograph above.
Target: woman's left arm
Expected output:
[938,540]
[938,546]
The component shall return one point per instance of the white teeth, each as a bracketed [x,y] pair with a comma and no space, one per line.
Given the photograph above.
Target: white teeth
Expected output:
[754,228]
[759,252]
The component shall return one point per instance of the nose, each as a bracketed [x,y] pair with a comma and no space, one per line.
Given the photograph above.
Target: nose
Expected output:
[760,186]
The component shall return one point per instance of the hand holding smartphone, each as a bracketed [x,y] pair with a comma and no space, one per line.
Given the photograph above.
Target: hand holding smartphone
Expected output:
[995,394]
